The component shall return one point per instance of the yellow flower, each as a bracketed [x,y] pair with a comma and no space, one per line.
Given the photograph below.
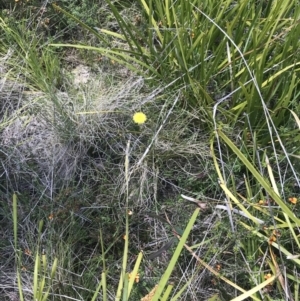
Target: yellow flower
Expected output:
[139,117]
[267,276]
[137,277]
[293,200]
[272,239]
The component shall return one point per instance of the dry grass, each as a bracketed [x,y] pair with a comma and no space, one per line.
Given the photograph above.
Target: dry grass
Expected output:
[64,154]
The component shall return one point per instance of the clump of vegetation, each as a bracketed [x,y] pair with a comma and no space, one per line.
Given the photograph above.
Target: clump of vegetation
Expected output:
[118,120]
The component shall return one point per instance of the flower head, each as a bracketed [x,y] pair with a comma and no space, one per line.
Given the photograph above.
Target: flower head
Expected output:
[293,200]
[267,276]
[139,117]
[137,277]
[272,239]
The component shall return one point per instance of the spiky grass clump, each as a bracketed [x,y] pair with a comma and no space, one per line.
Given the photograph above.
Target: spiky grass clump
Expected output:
[203,49]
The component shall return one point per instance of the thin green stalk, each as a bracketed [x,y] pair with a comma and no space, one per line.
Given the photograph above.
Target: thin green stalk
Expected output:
[165,278]
[15,220]
[123,280]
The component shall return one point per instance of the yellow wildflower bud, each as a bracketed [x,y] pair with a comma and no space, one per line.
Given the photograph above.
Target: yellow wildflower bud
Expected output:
[139,117]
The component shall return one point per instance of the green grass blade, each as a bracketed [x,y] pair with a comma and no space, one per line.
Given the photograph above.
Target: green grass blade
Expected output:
[15,219]
[153,22]
[167,292]
[163,282]
[134,273]
[255,289]
[101,284]
[20,290]
[35,276]
[125,287]
[259,178]
[115,55]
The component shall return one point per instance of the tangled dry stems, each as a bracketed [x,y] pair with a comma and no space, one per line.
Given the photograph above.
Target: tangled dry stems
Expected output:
[76,139]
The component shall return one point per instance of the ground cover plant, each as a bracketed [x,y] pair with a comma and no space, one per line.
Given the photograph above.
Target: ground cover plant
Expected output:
[119,119]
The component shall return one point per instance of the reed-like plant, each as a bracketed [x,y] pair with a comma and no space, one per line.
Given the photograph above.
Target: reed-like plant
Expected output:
[203,47]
